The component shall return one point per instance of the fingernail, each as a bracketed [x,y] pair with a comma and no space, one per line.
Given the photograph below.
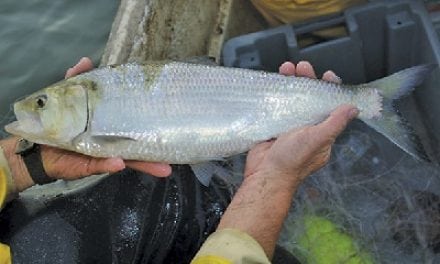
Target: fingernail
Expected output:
[68,73]
[79,62]
[302,64]
[119,163]
[336,79]
[287,68]
[165,169]
[353,113]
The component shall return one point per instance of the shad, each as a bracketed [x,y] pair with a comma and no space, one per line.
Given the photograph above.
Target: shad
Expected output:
[183,113]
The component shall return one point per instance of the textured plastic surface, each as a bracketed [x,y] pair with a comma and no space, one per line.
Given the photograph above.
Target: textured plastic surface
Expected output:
[382,38]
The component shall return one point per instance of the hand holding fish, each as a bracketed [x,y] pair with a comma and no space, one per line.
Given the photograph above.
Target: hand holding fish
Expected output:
[70,165]
[305,150]
[274,170]
[184,113]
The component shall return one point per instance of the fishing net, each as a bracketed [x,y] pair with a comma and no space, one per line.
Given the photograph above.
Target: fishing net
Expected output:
[372,202]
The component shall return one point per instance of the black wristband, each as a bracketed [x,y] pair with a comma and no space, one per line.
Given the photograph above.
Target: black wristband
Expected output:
[31,155]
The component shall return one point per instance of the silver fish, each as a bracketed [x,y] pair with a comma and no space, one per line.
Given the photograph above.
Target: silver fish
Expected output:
[183,113]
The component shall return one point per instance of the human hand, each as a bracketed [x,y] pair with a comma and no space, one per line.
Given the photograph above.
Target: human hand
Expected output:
[298,153]
[274,169]
[69,165]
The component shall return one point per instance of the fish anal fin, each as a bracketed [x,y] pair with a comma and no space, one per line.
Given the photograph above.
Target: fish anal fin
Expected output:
[206,170]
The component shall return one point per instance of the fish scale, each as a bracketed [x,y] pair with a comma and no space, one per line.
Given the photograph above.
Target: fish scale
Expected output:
[186,113]
[195,112]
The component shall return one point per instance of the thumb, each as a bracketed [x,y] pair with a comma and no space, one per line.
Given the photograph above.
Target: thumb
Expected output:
[337,121]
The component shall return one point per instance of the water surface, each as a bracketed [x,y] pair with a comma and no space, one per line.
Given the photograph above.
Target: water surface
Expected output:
[40,39]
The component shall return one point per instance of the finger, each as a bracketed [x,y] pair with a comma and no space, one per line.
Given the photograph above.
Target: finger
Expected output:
[305,69]
[84,64]
[155,169]
[336,122]
[98,166]
[69,73]
[330,76]
[287,68]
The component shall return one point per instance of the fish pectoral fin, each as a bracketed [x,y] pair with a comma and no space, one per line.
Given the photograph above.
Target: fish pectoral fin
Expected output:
[112,138]
[205,171]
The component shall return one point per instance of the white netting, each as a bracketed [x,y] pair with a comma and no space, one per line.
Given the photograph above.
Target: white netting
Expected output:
[381,197]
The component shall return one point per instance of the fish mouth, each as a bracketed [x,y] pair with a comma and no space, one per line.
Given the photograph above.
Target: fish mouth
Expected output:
[13,128]
[26,126]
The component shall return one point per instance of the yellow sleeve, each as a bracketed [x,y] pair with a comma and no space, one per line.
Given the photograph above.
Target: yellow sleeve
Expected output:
[6,181]
[290,11]
[230,246]
[5,189]
[5,254]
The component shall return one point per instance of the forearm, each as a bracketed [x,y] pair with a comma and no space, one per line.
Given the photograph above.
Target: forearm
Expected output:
[19,172]
[259,209]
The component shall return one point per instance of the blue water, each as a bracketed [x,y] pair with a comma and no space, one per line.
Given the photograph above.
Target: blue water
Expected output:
[40,39]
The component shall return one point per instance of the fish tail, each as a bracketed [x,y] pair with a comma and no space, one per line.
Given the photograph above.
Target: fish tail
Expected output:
[390,123]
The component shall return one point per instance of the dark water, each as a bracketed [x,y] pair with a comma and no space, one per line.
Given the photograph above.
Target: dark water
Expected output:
[40,39]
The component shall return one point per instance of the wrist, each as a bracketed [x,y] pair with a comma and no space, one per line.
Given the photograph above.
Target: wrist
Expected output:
[279,182]
[19,171]
[259,208]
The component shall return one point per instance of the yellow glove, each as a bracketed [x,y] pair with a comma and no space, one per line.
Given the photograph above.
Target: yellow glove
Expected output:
[5,254]
[5,189]
[230,246]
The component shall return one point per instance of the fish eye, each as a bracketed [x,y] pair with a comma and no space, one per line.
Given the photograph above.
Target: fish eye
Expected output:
[41,101]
